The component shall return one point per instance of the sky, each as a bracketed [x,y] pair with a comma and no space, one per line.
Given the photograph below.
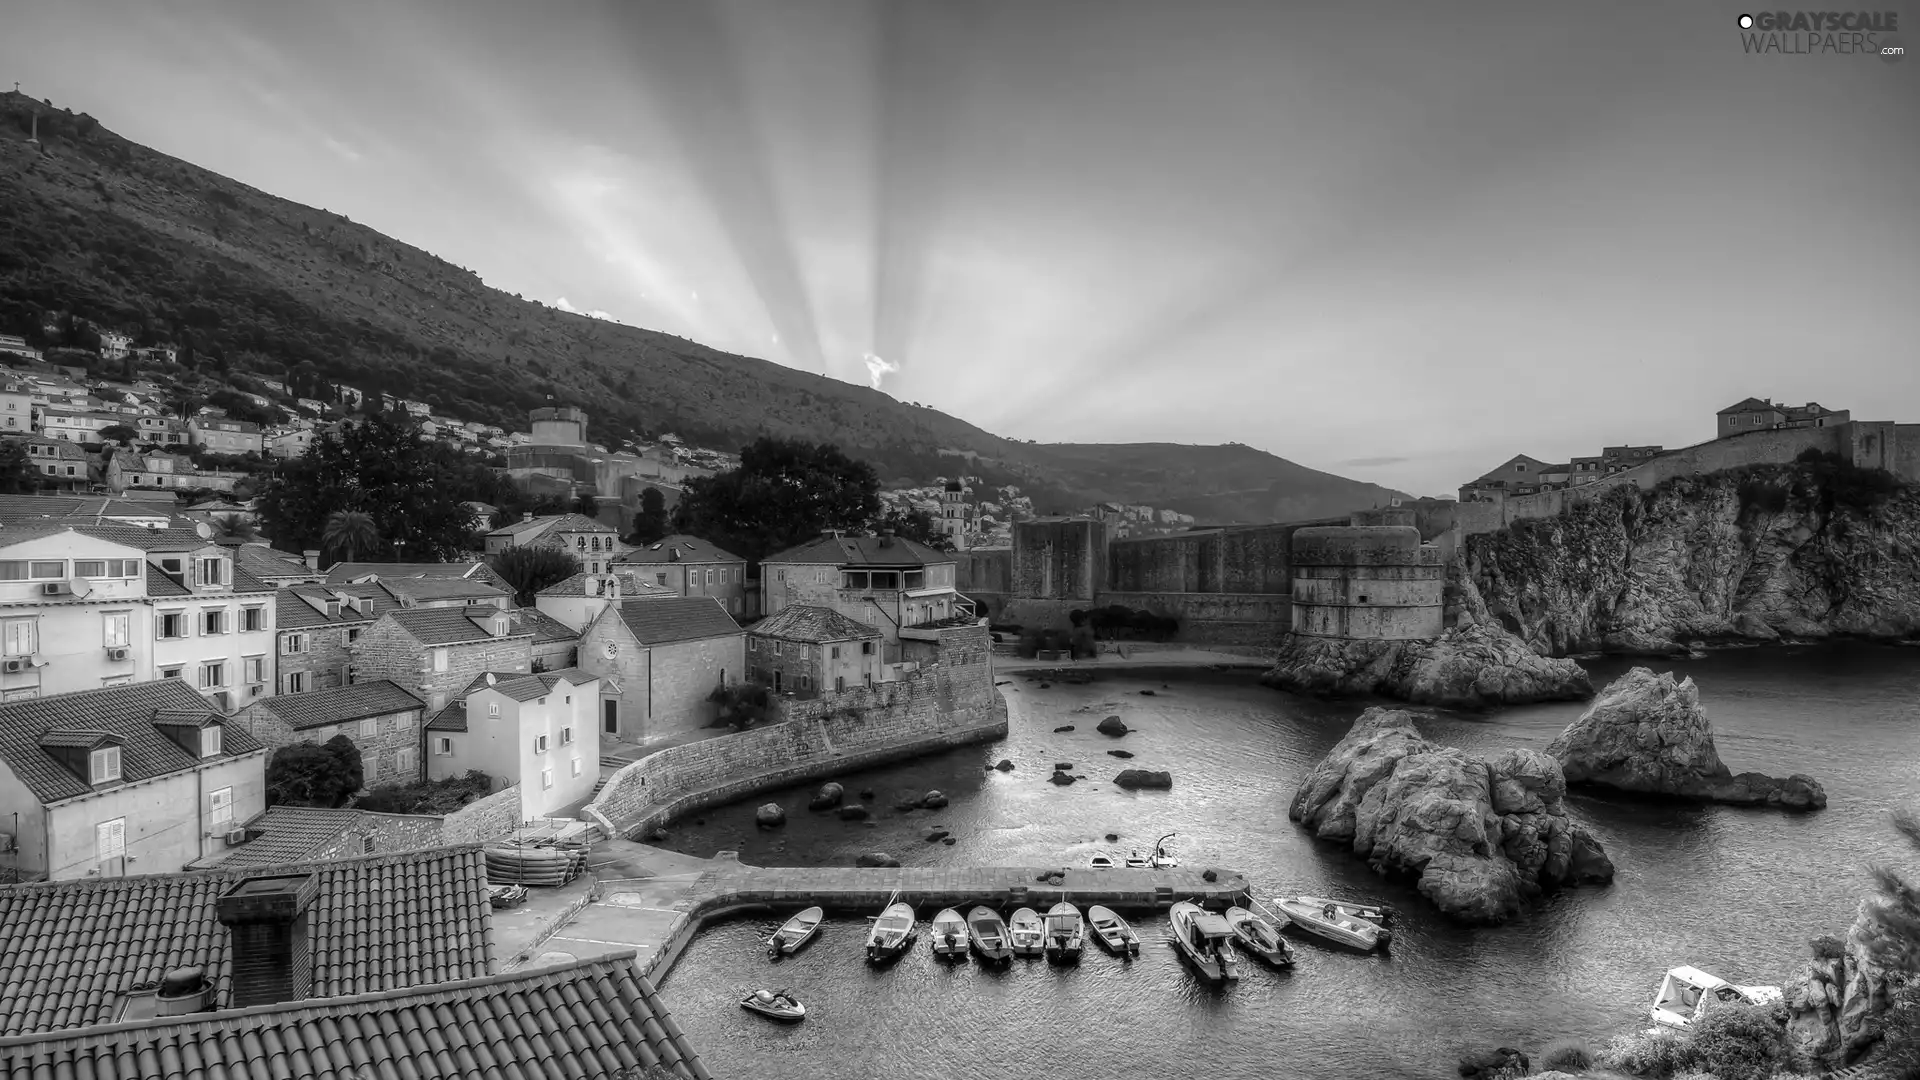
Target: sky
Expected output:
[1397,241]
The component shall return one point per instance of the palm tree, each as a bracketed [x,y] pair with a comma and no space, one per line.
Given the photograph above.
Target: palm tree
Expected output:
[233,527]
[349,533]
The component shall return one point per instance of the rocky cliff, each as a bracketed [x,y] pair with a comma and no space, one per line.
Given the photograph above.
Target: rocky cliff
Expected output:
[1471,667]
[1807,550]
[1835,1001]
[1482,837]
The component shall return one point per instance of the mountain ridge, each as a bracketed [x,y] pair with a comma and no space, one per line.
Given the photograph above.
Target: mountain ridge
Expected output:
[127,236]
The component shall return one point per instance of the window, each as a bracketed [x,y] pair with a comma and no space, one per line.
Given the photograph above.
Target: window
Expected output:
[439,659]
[210,571]
[886,579]
[403,761]
[369,727]
[566,736]
[835,653]
[353,634]
[256,668]
[659,579]
[43,571]
[22,637]
[709,577]
[115,629]
[90,568]
[546,778]
[220,809]
[104,764]
[293,682]
[173,566]
[916,579]
[493,708]
[866,648]
[293,644]
[16,570]
[539,744]
[170,672]
[213,621]
[853,579]
[210,740]
[576,766]
[213,675]
[443,746]
[372,762]
[733,605]
[253,618]
[171,624]
[110,839]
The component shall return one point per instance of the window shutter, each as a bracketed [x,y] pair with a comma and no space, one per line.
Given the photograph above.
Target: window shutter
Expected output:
[159,626]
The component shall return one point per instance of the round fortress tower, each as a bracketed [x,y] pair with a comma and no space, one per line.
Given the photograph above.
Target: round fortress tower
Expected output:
[1374,582]
[559,426]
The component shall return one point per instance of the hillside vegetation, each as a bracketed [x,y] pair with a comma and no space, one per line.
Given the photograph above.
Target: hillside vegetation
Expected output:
[128,237]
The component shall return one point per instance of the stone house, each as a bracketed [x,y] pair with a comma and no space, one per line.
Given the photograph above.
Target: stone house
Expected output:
[352,572]
[658,661]
[887,582]
[62,465]
[315,628]
[690,566]
[437,592]
[133,779]
[1761,414]
[578,600]
[536,731]
[436,652]
[222,436]
[555,644]
[806,651]
[590,541]
[382,719]
[1518,475]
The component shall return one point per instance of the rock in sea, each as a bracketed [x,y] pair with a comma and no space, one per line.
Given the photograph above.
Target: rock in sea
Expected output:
[770,815]
[1472,667]
[854,812]
[1004,765]
[1112,725]
[1482,837]
[827,797]
[1062,778]
[933,800]
[1647,734]
[1133,779]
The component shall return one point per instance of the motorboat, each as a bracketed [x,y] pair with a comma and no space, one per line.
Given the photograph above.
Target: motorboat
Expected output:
[795,933]
[1027,933]
[1112,931]
[1101,862]
[1162,857]
[775,1005]
[1327,920]
[1686,992]
[1202,937]
[1137,861]
[987,932]
[1066,933]
[891,932]
[949,935]
[1259,937]
[1373,913]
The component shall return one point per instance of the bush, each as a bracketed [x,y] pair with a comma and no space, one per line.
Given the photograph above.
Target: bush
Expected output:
[1827,947]
[427,796]
[1567,1055]
[1736,1042]
[1900,1034]
[742,705]
[1643,1053]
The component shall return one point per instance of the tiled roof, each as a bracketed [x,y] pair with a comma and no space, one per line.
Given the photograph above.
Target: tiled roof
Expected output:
[424,588]
[557,523]
[382,922]
[269,565]
[125,711]
[678,618]
[166,540]
[289,834]
[290,612]
[451,718]
[83,508]
[528,687]
[449,626]
[862,551]
[353,571]
[20,534]
[546,629]
[585,1020]
[631,585]
[804,622]
[1749,405]
[691,549]
[358,701]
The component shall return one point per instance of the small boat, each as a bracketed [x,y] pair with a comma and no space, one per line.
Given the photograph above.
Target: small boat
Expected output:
[1113,932]
[775,1005]
[1027,933]
[507,896]
[1259,937]
[1101,862]
[891,932]
[1373,913]
[987,932]
[795,933]
[1326,919]
[1066,933]
[1202,937]
[1137,861]
[949,936]
[1162,858]
[1686,992]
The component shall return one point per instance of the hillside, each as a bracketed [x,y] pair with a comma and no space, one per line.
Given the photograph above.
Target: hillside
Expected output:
[131,238]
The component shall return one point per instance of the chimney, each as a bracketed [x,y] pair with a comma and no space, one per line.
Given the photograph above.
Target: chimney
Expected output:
[526,515]
[266,919]
[311,558]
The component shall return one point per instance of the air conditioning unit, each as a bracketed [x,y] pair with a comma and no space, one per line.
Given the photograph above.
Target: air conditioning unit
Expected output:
[256,689]
[119,652]
[56,588]
[236,837]
[16,664]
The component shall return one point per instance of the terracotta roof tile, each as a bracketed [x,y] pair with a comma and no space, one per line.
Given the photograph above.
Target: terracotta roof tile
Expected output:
[289,834]
[691,549]
[586,1020]
[290,612]
[861,551]
[159,584]
[124,711]
[545,628]
[678,618]
[341,573]
[449,626]
[271,566]
[384,922]
[632,586]
[339,705]
[804,622]
[425,588]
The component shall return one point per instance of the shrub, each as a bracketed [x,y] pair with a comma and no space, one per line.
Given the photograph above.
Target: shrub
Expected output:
[742,705]
[1643,1053]
[1736,1042]
[1567,1055]
[1029,645]
[1827,947]
[1900,1035]
[427,796]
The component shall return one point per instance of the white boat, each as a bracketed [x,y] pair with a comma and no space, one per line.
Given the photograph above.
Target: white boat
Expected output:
[1113,932]
[795,933]
[1027,933]
[1101,862]
[1066,932]
[1202,937]
[1259,937]
[1137,861]
[949,935]
[775,1004]
[988,934]
[1326,919]
[891,932]
[1373,913]
[1162,858]
[1687,991]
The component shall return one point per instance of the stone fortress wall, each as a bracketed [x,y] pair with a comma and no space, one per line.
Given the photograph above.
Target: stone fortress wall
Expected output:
[1377,582]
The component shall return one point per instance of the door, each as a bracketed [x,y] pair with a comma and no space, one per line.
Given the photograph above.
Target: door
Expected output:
[776,680]
[610,716]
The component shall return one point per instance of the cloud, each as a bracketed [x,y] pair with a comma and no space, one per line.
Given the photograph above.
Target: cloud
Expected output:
[1372,462]
[596,313]
[878,369]
[340,148]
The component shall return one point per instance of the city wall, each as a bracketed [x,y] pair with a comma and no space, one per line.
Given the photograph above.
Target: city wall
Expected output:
[950,702]
[483,819]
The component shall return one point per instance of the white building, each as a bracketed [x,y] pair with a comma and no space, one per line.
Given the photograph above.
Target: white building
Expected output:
[535,730]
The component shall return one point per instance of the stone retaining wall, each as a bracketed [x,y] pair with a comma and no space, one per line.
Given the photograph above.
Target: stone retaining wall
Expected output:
[495,816]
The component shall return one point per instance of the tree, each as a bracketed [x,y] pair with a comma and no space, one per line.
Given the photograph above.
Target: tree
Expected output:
[308,775]
[17,473]
[530,569]
[650,524]
[233,527]
[1894,914]
[587,506]
[118,433]
[919,526]
[348,533]
[411,489]
[784,492]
